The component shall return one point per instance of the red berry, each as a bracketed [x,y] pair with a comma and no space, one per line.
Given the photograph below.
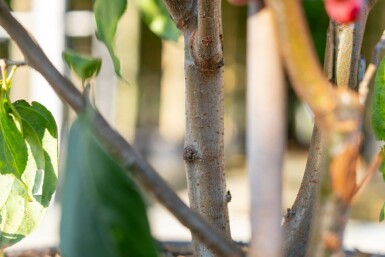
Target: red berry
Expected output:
[343,11]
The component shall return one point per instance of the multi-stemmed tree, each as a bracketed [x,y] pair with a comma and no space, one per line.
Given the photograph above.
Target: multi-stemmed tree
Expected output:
[103,214]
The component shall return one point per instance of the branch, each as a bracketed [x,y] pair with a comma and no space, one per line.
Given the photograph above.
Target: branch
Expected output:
[300,60]
[182,13]
[338,114]
[113,142]
[372,169]
[371,70]
[6,63]
[296,227]
[207,44]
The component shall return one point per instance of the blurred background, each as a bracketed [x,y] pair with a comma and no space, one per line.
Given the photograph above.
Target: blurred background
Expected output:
[148,109]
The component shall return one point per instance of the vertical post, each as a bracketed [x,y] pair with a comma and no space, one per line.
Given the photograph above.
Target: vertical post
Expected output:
[266,126]
[48,30]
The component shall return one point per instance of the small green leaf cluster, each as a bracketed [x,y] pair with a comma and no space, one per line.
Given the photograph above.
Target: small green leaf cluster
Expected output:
[108,13]
[157,18]
[103,213]
[85,67]
[378,115]
[28,165]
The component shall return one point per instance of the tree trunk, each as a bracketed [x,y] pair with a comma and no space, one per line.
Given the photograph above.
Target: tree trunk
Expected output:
[204,150]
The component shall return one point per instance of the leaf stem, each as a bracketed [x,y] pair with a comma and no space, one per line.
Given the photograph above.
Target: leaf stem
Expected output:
[6,82]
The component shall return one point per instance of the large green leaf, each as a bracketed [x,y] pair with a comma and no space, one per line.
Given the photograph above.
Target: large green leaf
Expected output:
[102,211]
[40,131]
[107,15]
[158,19]
[24,199]
[84,66]
[378,115]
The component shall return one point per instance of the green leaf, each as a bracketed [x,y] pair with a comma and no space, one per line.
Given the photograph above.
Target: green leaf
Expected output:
[84,66]
[13,149]
[157,18]
[378,114]
[101,200]
[382,213]
[40,131]
[24,200]
[107,15]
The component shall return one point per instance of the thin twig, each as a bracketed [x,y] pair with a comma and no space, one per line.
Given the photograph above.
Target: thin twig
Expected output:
[14,63]
[380,46]
[372,169]
[363,88]
[371,70]
[114,143]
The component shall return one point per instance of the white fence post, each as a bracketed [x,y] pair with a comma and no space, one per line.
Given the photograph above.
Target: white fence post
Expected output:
[48,30]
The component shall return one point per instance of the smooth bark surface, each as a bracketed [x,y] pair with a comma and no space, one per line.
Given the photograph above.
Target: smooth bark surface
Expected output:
[266,133]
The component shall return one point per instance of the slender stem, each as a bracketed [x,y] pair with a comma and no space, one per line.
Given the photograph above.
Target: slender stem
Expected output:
[4,76]
[6,86]
[15,63]
[299,56]
[371,70]
[372,169]
[10,76]
[363,89]
[114,143]
[296,227]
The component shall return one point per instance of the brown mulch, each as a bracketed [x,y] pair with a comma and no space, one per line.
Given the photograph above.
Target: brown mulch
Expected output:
[43,252]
